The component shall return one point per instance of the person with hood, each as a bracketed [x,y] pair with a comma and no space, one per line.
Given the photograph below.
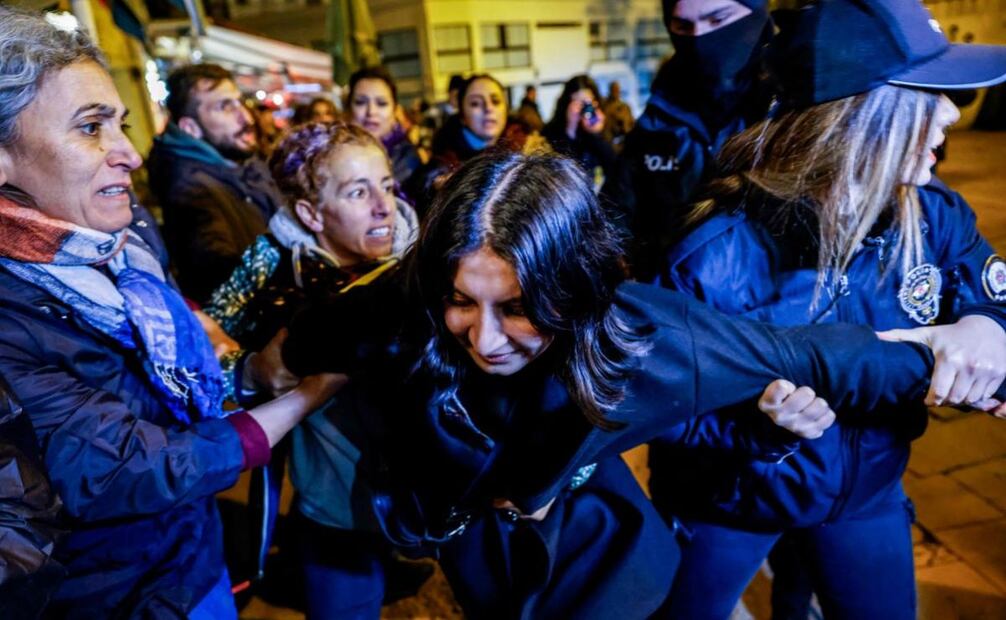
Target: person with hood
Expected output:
[708,91]
[341,228]
[215,193]
[828,212]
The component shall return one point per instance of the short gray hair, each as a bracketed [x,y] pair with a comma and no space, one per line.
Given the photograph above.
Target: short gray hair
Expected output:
[30,47]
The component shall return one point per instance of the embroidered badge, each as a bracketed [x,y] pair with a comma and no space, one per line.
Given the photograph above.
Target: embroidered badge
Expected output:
[920,293]
[994,278]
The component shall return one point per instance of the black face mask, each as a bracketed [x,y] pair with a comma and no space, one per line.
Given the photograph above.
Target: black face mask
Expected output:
[717,63]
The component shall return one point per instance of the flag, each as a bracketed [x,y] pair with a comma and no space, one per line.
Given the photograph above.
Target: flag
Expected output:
[352,38]
[128,19]
[132,16]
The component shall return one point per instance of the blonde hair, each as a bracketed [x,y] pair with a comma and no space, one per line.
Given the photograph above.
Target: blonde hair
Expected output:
[848,161]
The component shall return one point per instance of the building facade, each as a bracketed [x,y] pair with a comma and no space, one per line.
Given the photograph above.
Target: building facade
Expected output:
[539,42]
[522,43]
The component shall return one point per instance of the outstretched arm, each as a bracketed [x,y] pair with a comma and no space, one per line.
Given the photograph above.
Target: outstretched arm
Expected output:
[702,360]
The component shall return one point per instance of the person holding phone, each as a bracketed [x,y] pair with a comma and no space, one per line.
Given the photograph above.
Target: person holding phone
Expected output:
[577,127]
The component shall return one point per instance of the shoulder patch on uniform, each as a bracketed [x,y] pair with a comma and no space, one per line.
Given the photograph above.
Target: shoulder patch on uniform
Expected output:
[994,278]
[920,293]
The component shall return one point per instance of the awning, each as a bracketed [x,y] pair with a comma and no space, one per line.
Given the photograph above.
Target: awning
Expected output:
[301,64]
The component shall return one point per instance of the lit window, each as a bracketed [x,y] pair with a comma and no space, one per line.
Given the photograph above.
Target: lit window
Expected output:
[652,40]
[505,46]
[608,41]
[400,53]
[454,48]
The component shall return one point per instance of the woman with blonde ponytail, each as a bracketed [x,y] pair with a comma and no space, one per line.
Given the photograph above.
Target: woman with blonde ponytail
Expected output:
[828,212]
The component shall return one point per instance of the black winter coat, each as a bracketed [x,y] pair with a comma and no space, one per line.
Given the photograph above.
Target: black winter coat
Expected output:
[213,210]
[666,158]
[29,518]
[602,551]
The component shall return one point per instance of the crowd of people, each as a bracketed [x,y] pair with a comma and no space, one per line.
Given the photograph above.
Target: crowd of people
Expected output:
[446,347]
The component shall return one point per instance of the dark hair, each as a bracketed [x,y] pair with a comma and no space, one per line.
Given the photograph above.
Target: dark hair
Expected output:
[296,163]
[182,84]
[479,76]
[538,213]
[304,112]
[457,82]
[371,73]
[572,86]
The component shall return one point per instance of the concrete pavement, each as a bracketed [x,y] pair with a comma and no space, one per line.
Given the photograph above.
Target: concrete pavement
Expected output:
[957,473]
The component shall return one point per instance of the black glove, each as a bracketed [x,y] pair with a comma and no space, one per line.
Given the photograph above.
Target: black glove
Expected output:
[348,331]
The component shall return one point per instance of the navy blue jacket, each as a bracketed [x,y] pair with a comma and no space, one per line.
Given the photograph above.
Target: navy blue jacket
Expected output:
[137,488]
[739,264]
[602,551]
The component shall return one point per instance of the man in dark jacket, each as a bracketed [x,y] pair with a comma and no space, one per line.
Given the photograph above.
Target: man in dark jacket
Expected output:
[708,91]
[217,196]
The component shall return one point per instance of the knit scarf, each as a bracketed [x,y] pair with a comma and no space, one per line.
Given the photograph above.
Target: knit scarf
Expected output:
[136,307]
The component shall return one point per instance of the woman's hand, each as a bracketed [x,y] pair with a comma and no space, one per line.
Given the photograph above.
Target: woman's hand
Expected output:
[576,119]
[278,416]
[594,123]
[798,410]
[318,389]
[265,370]
[970,360]
[222,343]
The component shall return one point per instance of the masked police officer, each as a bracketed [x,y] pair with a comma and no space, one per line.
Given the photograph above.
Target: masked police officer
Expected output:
[708,91]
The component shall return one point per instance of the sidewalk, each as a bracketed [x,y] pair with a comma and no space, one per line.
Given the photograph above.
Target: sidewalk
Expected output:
[957,473]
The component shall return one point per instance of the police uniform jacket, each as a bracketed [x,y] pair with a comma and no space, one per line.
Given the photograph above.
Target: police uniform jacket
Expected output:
[742,262]
[666,157]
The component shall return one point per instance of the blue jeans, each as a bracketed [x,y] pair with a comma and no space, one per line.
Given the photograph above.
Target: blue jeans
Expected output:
[860,568]
[343,573]
[218,604]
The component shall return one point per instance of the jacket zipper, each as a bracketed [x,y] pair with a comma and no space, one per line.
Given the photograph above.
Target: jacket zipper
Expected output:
[849,441]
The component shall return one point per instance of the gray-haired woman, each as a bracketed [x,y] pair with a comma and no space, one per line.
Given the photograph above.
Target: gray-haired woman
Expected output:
[114,371]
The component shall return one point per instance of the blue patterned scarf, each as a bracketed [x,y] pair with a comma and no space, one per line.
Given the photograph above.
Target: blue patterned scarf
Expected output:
[138,308]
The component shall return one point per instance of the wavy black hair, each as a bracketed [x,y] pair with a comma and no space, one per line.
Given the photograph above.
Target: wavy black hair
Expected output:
[539,214]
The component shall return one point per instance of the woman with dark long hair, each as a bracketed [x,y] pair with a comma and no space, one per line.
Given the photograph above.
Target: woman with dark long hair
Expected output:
[577,127]
[531,365]
[371,104]
[482,123]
